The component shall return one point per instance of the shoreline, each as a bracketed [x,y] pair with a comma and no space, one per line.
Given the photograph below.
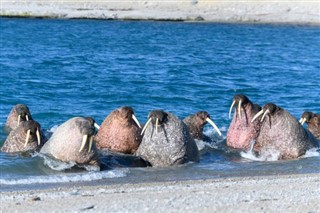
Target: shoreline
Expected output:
[219,11]
[287,193]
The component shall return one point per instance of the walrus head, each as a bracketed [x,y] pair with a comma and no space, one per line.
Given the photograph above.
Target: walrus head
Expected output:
[157,117]
[32,130]
[23,113]
[239,101]
[203,117]
[306,117]
[87,130]
[268,109]
[128,114]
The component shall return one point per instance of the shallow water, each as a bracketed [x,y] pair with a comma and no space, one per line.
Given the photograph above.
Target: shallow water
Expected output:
[66,68]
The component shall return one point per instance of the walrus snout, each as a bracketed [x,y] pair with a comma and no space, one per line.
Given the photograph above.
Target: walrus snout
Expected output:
[269,108]
[157,117]
[239,100]
[32,129]
[306,117]
[87,129]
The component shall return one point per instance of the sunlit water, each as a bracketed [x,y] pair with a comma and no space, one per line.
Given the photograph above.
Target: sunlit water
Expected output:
[67,68]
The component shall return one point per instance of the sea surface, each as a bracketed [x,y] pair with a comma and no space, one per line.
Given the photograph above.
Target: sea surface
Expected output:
[67,68]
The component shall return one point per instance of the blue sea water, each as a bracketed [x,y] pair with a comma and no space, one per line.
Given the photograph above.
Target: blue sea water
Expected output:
[67,68]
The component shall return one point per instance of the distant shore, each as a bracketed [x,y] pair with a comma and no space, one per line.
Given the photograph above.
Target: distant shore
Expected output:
[254,11]
[288,193]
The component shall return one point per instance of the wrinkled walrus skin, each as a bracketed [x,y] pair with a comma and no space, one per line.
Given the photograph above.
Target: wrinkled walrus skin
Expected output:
[119,132]
[281,132]
[65,143]
[167,144]
[242,132]
[16,140]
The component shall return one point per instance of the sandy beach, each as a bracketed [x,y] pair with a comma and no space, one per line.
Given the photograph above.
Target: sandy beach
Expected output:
[288,193]
[255,11]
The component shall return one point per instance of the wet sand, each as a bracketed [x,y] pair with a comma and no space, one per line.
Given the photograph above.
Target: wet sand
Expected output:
[289,193]
[256,11]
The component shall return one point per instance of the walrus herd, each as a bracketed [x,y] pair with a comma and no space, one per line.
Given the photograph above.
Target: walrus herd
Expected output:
[164,140]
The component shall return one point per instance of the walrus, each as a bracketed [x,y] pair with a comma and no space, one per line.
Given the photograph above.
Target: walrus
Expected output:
[119,132]
[19,113]
[313,121]
[73,141]
[166,141]
[242,132]
[282,132]
[196,122]
[26,137]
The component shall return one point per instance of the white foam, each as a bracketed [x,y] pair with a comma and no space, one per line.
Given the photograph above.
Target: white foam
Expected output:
[265,154]
[67,178]
[202,144]
[52,129]
[314,152]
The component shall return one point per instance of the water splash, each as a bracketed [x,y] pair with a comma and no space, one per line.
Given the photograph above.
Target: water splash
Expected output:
[314,152]
[65,178]
[265,155]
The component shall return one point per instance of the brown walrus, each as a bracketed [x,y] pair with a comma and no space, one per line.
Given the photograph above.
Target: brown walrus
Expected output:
[26,137]
[72,141]
[196,122]
[167,141]
[119,132]
[242,132]
[19,113]
[281,132]
[313,121]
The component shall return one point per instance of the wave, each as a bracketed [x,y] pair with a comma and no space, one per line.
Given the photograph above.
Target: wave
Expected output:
[65,178]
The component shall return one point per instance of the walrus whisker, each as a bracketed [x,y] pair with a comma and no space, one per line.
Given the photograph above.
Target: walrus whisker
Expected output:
[84,141]
[146,125]
[38,136]
[96,126]
[264,114]
[19,116]
[157,121]
[90,143]
[239,109]
[231,108]
[136,120]
[257,115]
[214,125]
[27,138]
[27,117]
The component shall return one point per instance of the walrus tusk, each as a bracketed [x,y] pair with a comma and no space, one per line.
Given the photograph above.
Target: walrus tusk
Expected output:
[27,117]
[96,126]
[18,120]
[38,136]
[136,120]
[231,108]
[27,138]
[302,120]
[264,114]
[239,109]
[257,115]
[84,140]
[157,121]
[214,125]
[146,125]
[90,143]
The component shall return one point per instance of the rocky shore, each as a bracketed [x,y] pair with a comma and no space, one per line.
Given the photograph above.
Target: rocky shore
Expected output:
[255,11]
